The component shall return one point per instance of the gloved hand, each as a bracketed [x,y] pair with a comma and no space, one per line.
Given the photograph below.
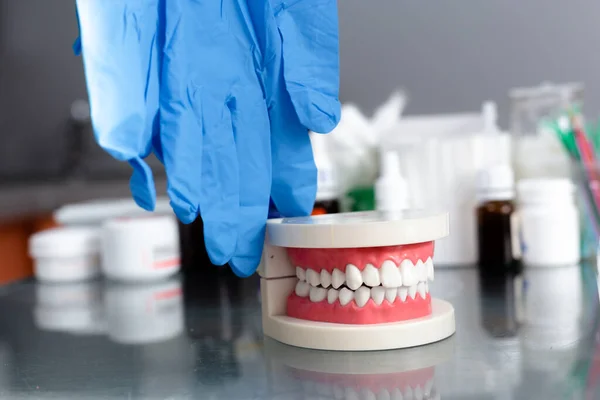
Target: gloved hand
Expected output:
[214,123]
[299,41]
[215,126]
[227,103]
[119,41]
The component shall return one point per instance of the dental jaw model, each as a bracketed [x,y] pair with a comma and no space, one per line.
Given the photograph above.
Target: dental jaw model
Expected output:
[354,281]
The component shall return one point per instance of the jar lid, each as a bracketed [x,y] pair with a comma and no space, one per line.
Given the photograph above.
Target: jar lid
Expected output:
[545,190]
[64,242]
[97,211]
[162,228]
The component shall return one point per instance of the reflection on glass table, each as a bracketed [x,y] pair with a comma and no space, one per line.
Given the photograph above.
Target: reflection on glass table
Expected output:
[531,335]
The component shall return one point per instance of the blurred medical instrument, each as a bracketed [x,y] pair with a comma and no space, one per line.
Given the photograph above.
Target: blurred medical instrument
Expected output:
[206,105]
[391,189]
[536,152]
[549,222]
[568,127]
[354,146]
[328,185]
[439,158]
[497,226]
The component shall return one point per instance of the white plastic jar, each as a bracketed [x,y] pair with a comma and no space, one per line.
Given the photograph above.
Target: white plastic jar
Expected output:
[66,254]
[140,248]
[549,222]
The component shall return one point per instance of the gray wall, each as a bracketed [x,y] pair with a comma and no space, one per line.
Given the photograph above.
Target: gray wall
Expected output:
[449,55]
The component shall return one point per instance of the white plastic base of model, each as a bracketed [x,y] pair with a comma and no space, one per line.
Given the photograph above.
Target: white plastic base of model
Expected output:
[358,229]
[326,336]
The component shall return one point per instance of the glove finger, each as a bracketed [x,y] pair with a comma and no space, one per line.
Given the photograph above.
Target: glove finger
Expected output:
[294,171]
[309,31]
[197,136]
[220,189]
[113,59]
[252,137]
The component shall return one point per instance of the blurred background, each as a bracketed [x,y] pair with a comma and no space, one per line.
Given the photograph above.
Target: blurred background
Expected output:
[449,58]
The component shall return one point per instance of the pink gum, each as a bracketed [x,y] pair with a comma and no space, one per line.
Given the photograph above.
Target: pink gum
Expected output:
[330,259]
[371,313]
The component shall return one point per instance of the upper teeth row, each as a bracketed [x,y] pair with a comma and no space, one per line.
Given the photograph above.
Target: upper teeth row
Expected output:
[389,275]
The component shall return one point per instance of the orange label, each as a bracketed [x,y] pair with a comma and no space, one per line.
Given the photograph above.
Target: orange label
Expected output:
[319,211]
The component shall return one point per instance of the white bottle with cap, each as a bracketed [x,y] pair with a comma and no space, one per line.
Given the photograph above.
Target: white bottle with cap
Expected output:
[549,222]
[391,189]
[328,190]
[496,183]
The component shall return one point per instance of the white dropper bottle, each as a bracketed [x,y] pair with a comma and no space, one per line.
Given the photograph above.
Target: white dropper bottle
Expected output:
[391,189]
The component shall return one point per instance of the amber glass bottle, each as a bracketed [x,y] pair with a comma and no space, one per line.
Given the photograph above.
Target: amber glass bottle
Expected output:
[497,235]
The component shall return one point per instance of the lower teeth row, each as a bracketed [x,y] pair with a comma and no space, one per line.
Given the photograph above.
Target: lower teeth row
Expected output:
[362,295]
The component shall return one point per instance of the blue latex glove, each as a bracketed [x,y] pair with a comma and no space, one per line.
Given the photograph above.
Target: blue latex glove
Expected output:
[299,40]
[248,43]
[120,42]
[215,127]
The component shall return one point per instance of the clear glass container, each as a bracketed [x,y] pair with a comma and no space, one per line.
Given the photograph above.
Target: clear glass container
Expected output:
[537,152]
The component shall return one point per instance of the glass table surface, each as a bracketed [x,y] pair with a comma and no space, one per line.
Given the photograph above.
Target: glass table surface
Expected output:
[532,335]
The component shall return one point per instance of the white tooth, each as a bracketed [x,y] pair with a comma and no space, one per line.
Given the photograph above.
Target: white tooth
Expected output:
[412,291]
[426,287]
[332,295]
[368,395]
[390,274]
[418,393]
[325,278]
[402,293]
[371,276]
[362,295]
[346,296]
[421,271]
[397,394]
[384,395]
[390,294]
[351,394]
[337,278]
[353,277]
[313,277]
[302,289]
[301,274]
[338,392]
[429,268]
[408,274]
[428,387]
[408,393]
[421,289]
[317,294]
[377,294]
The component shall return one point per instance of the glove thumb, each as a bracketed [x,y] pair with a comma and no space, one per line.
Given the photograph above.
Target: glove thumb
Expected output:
[142,184]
